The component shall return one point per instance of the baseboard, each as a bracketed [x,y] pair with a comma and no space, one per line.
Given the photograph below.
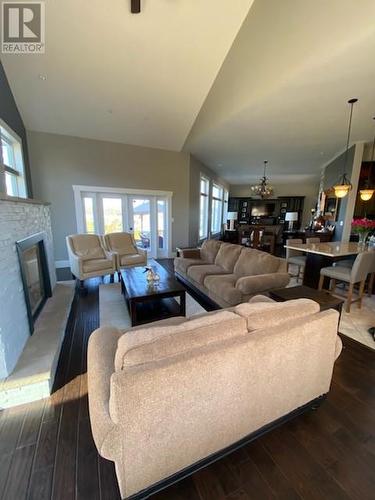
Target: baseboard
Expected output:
[59,264]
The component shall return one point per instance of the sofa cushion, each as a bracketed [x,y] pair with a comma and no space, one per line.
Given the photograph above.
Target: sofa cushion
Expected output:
[264,315]
[252,262]
[132,260]
[209,250]
[87,246]
[224,287]
[182,264]
[261,298]
[122,243]
[198,273]
[227,256]
[153,343]
[93,265]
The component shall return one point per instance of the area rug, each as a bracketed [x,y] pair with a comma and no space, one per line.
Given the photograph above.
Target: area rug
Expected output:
[114,312]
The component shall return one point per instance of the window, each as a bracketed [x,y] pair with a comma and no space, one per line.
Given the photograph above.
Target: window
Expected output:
[225,206]
[146,214]
[216,208]
[203,207]
[12,162]
[88,207]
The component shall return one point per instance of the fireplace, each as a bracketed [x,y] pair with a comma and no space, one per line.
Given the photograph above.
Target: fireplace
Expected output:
[35,274]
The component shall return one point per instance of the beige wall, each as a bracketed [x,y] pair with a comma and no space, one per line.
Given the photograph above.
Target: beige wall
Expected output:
[196,168]
[58,162]
[310,191]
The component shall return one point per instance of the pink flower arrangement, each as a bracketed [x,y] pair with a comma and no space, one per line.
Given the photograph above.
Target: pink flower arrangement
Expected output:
[363,225]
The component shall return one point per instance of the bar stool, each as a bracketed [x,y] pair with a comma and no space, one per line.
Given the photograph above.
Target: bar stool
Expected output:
[358,273]
[295,257]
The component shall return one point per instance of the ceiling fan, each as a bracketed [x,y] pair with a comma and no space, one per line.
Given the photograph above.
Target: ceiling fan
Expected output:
[135,6]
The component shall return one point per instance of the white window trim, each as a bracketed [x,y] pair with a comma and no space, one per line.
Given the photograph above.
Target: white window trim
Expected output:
[80,218]
[208,195]
[11,136]
[212,197]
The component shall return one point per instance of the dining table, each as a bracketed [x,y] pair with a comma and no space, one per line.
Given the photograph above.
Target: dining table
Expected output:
[319,255]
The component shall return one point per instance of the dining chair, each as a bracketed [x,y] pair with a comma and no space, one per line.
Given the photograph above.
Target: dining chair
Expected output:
[295,257]
[357,274]
[349,263]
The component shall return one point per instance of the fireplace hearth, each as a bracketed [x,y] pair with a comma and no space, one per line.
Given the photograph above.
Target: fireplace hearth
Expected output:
[35,274]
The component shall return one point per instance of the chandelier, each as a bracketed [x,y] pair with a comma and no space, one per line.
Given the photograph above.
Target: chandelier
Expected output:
[367,192]
[344,185]
[263,189]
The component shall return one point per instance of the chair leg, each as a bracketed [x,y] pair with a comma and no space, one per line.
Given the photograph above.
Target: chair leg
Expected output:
[361,292]
[321,281]
[112,278]
[349,297]
[332,286]
[370,284]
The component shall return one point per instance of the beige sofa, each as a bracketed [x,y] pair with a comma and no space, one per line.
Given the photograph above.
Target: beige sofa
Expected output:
[230,274]
[170,397]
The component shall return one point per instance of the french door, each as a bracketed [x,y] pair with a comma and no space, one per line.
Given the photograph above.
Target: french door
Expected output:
[146,216]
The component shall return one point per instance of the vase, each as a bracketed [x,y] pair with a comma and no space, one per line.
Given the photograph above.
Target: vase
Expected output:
[363,237]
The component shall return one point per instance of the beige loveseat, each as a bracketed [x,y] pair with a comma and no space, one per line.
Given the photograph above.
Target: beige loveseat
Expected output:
[166,396]
[230,274]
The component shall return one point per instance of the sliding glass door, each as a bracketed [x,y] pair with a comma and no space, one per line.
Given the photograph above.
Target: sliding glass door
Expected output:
[143,215]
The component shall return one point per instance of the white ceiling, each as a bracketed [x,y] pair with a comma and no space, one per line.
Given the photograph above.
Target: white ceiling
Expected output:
[282,92]
[137,79]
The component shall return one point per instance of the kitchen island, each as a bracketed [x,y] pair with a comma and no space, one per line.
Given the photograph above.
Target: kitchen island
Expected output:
[320,255]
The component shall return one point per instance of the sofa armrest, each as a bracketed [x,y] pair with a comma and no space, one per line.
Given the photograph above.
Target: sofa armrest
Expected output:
[283,266]
[74,261]
[190,253]
[101,353]
[142,251]
[262,282]
[111,256]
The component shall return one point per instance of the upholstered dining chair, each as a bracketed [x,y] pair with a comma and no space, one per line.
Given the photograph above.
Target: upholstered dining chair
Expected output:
[88,258]
[123,246]
[295,257]
[357,274]
[349,264]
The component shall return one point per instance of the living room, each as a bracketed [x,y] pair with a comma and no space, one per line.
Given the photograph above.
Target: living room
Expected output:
[187,263]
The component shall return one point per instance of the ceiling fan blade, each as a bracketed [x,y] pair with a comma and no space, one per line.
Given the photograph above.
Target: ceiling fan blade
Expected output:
[135,6]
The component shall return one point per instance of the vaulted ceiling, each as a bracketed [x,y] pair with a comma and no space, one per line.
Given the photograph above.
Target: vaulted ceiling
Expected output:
[234,82]
[112,75]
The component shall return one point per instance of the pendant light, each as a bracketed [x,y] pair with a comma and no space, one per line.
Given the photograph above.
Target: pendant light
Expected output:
[366,193]
[263,189]
[344,185]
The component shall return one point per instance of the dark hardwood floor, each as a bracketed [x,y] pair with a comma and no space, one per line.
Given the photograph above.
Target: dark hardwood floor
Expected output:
[47,451]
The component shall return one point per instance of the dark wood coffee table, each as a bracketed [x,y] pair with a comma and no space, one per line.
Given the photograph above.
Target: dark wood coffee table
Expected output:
[147,302]
[324,299]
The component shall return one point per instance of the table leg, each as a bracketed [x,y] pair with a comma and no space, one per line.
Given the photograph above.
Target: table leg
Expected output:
[133,312]
[183,304]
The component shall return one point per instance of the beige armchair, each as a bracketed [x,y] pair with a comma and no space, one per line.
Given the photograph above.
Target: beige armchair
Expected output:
[123,246]
[88,258]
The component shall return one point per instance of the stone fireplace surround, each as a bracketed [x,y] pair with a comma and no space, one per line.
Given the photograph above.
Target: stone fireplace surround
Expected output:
[19,218]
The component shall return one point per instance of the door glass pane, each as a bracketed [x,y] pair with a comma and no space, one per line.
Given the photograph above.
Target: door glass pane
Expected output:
[88,204]
[161,224]
[141,223]
[112,214]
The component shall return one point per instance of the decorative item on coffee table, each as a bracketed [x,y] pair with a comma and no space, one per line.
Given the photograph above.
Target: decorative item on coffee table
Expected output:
[324,299]
[149,298]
